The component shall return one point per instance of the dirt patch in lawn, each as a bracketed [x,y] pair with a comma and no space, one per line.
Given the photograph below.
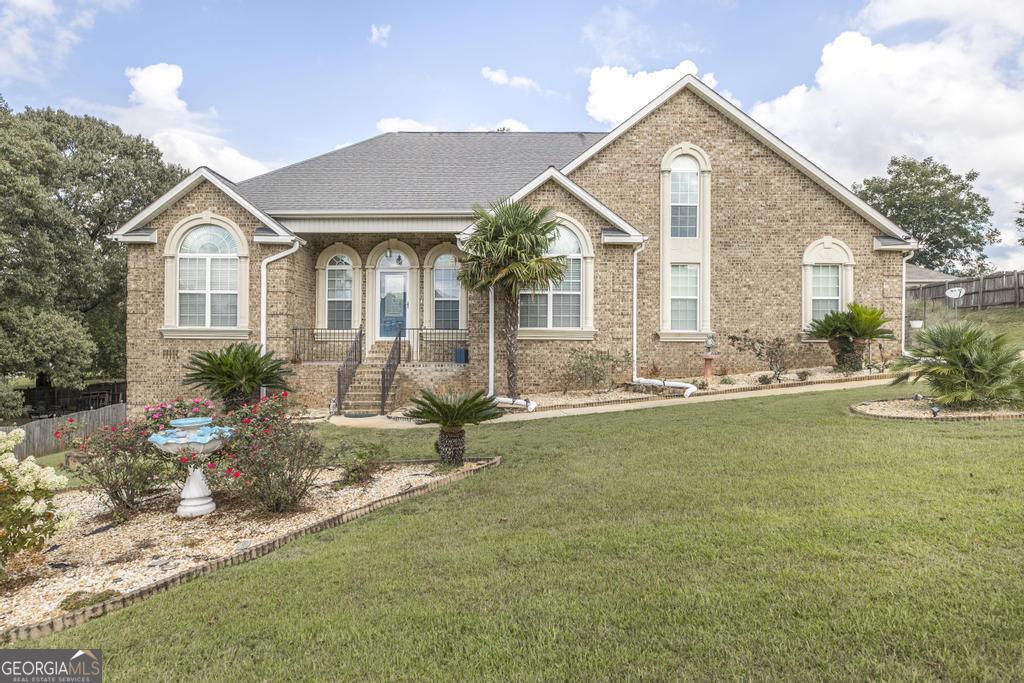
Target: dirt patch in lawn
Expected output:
[99,556]
[921,409]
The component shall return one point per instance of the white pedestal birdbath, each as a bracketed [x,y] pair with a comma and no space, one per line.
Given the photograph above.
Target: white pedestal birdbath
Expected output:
[193,435]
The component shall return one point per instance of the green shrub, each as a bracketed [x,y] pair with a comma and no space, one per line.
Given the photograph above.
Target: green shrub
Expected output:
[364,460]
[727,380]
[849,332]
[236,373]
[965,365]
[28,517]
[452,412]
[803,375]
[270,459]
[766,379]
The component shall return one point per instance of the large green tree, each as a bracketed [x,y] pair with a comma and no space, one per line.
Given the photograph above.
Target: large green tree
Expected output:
[66,183]
[940,208]
[1020,223]
[508,251]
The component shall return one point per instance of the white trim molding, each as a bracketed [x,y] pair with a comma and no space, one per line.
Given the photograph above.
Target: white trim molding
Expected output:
[686,250]
[586,290]
[555,333]
[336,249]
[826,251]
[769,139]
[205,332]
[171,247]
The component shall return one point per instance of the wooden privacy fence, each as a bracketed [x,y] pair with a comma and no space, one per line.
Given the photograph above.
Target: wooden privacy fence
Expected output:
[986,291]
[39,434]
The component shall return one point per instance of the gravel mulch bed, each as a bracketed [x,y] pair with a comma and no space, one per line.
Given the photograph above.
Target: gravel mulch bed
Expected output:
[98,555]
[909,409]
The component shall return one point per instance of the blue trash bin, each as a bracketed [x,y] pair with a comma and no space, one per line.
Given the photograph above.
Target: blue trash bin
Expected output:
[462,355]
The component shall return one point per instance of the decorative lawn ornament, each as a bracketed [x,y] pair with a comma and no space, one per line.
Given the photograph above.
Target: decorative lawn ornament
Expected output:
[935,411]
[192,439]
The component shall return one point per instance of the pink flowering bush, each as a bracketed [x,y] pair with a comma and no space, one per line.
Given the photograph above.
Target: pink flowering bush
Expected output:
[159,415]
[271,460]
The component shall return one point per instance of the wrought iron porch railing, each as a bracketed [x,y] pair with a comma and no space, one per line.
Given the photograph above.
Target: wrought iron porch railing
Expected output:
[322,345]
[348,367]
[387,373]
[429,345]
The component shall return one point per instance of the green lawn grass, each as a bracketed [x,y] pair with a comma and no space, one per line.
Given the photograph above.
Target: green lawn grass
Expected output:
[764,538]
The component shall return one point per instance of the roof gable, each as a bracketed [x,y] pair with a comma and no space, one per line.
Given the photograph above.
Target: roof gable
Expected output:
[763,135]
[135,230]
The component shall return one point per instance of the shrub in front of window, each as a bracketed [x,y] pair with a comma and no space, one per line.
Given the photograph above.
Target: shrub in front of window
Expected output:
[28,516]
[271,460]
[775,352]
[850,332]
[966,366]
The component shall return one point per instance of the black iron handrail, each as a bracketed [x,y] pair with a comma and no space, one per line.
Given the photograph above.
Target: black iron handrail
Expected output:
[317,344]
[431,345]
[387,373]
[348,367]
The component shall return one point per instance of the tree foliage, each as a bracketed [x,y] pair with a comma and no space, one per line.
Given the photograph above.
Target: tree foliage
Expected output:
[66,183]
[939,208]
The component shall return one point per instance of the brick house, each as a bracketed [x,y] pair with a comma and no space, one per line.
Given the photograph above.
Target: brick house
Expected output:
[687,220]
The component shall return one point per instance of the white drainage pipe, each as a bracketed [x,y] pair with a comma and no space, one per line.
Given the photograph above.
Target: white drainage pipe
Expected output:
[689,389]
[516,403]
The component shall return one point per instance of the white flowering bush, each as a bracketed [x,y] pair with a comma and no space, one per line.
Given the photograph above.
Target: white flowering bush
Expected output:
[27,513]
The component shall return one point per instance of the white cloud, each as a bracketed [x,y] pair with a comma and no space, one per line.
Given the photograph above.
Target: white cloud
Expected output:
[184,136]
[501,77]
[380,35]
[615,93]
[618,36]
[37,35]
[394,124]
[951,95]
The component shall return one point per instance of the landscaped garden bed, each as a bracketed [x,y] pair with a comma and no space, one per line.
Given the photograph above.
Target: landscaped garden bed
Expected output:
[921,409]
[99,558]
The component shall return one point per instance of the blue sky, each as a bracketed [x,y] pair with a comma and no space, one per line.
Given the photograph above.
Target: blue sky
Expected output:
[247,86]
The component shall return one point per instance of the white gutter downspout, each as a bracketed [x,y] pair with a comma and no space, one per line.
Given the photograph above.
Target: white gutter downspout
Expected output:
[262,290]
[903,311]
[689,389]
[500,400]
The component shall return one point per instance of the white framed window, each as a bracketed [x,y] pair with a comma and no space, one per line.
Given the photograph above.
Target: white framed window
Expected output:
[827,278]
[826,290]
[684,197]
[561,304]
[684,297]
[207,278]
[339,292]
[447,295]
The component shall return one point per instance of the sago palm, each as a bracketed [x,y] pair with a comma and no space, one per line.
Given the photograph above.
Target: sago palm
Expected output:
[452,412]
[965,365]
[508,251]
[235,373]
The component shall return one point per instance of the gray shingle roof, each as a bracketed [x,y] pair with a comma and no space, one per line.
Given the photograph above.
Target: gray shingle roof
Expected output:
[415,172]
[917,273]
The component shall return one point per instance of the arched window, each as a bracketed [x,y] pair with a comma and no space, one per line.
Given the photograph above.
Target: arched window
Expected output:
[208,278]
[339,292]
[561,304]
[446,293]
[684,196]
[827,278]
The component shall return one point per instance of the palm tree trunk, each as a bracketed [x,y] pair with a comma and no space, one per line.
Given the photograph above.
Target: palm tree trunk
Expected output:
[451,445]
[511,342]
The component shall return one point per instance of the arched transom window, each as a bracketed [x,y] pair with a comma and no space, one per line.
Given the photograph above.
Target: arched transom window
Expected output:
[684,196]
[339,292]
[446,293]
[208,278]
[561,304]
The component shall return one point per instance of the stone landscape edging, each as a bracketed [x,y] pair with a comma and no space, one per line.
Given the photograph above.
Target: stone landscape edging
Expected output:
[857,409]
[84,614]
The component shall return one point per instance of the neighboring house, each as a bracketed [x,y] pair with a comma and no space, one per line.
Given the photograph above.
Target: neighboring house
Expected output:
[917,275]
[689,213]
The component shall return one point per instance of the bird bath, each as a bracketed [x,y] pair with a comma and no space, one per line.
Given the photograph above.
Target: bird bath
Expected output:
[194,435]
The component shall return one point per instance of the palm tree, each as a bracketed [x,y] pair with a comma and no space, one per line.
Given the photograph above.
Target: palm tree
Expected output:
[850,332]
[507,251]
[235,373]
[966,366]
[452,412]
